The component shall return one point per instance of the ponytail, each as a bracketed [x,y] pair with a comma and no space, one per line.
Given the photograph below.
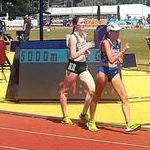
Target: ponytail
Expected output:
[74,22]
[73,29]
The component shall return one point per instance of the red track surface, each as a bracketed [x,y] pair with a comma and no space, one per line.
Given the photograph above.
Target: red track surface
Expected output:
[26,133]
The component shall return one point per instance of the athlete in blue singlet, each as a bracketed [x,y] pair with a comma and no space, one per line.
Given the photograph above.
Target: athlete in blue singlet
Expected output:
[108,71]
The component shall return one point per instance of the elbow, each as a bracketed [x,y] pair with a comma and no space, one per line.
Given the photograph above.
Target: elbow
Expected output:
[73,57]
[112,61]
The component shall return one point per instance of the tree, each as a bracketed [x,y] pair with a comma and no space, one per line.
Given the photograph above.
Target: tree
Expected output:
[21,7]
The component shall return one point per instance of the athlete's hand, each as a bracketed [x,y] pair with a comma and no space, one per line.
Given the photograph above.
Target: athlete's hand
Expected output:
[90,45]
[126,47]
[87,53]
[120,60]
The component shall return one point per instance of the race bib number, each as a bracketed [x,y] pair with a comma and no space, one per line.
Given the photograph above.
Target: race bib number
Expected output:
[72,66]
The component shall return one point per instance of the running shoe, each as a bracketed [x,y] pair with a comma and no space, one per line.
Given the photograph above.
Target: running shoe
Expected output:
[67,120]
[84,117]
[92,126]
[132,127]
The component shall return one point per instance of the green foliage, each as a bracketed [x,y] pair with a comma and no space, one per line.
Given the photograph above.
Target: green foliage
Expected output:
[22,7]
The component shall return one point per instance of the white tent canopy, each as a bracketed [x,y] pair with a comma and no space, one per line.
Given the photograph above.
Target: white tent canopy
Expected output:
[87,10]
[134,10]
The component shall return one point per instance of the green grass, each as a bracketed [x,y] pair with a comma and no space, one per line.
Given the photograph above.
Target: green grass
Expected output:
[135,37]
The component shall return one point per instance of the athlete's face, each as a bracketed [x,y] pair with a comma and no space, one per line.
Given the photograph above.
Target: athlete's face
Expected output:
[114,34]
[80,24]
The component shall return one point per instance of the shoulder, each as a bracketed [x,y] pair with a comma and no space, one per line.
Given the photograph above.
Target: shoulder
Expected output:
[105,42]
[72,38]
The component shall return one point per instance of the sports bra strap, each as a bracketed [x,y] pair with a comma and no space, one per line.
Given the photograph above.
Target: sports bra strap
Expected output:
[77,38]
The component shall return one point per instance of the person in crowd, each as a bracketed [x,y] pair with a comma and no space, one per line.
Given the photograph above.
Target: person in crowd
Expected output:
[111,54]
[148,36]
[48,24]
[77,68]
[148,20]
[148,43]
[2,26]
[27,25]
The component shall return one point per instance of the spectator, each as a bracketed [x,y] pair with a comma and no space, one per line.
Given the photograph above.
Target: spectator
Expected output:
[27,26]
[2,27]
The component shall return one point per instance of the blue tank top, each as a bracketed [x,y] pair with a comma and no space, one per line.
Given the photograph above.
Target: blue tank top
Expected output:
[115,48]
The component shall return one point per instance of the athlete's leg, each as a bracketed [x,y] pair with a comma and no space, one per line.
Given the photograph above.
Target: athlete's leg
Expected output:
[89,84]
[70,78]
[100,82]
[119,87]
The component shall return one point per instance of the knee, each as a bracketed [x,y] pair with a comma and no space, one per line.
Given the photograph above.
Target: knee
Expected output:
[124,98]
[91,92]
[63,97]
[95,97]
[64,92]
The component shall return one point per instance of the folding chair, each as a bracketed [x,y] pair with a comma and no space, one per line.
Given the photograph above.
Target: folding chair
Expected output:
[4,61]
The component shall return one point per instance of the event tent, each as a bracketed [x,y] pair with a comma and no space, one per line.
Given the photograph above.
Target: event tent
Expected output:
[134,10]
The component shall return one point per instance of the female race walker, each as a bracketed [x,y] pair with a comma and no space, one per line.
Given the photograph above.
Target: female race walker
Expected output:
[77,67]
[108,71]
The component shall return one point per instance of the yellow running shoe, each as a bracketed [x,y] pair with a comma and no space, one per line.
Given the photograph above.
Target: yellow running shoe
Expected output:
[67,120]
[132,127]
[92,126]
[84,117]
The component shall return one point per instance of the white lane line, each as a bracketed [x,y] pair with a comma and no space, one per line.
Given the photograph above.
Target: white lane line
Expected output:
[13,148]
[76,138]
